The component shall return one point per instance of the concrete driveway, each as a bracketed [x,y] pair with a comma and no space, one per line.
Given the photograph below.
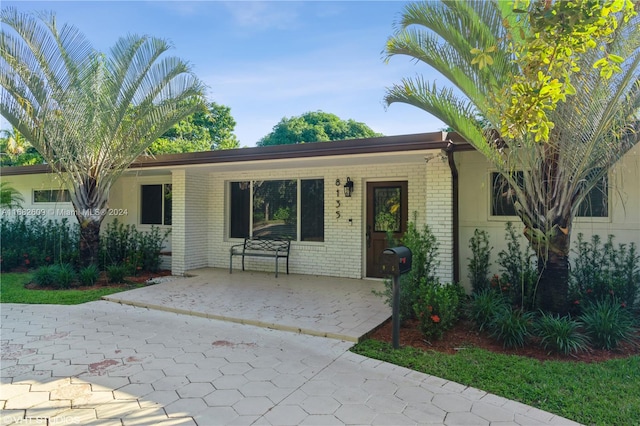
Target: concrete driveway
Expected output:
[106,363]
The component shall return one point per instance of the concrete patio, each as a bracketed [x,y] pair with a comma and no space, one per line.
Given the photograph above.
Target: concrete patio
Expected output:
[105,363]
[338,308]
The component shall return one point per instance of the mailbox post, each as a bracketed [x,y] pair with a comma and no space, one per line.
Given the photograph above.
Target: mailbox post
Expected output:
[396,261]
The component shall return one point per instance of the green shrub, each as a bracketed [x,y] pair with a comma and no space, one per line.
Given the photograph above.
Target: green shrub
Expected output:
[438,307]
[519,273]
[424,250]
[116,273]
[604,271]
[89,275]
[33,241]
[479,262]
[138,250]
[511,327]
[64,275]
[483,307]
[284,214]
[608,323]
[560,334]
[44,276]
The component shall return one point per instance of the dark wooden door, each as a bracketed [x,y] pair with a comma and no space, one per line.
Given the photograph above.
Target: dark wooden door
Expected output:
[386,213]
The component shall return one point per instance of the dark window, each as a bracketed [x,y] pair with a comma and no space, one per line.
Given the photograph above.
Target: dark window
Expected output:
[156,205]
[275,209]
[51,196]
[240,202]
[503,197]
[596,202]
[312,210]
[271,209]
[502,194]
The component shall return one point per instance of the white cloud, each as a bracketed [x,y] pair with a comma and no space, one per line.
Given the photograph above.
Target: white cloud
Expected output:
[255,16]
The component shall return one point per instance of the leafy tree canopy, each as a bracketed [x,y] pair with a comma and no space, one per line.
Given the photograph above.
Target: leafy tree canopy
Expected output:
[209,128]
[315,126]
[15,150]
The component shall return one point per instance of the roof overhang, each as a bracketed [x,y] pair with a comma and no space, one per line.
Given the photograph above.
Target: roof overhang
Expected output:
[379,150]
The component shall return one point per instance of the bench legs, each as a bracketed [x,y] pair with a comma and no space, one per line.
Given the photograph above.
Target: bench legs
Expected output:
[277,258]
[231,263]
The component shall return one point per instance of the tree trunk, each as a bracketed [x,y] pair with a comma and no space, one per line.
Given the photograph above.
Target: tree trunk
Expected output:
[553,287]
[89,202]
[552,249]
[89,242]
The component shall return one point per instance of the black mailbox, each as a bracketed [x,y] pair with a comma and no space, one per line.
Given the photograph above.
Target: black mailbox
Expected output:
[395,261]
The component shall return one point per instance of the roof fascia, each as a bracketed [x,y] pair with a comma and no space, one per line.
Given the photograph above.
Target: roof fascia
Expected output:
[383,144]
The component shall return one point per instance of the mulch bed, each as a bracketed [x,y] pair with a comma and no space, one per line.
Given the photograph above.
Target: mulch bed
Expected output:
[463,335]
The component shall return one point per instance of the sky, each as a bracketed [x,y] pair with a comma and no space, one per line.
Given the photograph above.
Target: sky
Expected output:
[267,60]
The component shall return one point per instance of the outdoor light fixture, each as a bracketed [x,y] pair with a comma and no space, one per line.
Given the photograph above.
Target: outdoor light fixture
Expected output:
[348,187]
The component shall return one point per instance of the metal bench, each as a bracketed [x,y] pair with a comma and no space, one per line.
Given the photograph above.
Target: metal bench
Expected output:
[261,247]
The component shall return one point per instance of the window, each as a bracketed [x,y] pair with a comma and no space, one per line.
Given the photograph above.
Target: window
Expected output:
[155,204]
[277,209]
[387,209]
[596,202]
[312,210]
[51,196]
[503,197]
[240,208]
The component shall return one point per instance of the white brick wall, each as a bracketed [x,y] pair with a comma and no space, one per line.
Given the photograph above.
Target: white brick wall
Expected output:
[343,251]
[439,210]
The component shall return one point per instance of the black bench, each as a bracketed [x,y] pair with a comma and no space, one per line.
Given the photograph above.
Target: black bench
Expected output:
[261,247]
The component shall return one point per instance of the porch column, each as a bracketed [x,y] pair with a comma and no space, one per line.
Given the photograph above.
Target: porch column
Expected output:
[439,212]
[190,220]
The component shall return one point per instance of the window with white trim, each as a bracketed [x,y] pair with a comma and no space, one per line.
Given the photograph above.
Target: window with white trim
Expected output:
[503,197]
[51,196]
[289,208]
[155,204]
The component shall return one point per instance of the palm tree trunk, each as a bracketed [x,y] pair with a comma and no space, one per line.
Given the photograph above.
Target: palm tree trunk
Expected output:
[553,286]
[89,242]
[552,248]
[90,202]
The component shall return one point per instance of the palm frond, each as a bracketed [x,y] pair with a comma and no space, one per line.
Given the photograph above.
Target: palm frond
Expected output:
[442,36]
[89,115]
[445,105]
[592,130]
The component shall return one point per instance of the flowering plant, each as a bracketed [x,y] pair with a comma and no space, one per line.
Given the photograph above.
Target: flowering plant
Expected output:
[438,307]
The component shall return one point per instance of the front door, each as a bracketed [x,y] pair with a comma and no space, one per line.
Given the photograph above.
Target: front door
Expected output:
[386,215]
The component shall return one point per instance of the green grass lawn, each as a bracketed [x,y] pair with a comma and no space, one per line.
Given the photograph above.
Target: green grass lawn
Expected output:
[606,393]
[12,290]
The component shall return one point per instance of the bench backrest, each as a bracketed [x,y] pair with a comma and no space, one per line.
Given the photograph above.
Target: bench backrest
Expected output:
[260,244]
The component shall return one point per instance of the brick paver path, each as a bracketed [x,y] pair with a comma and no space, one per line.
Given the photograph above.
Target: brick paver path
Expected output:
[103,363]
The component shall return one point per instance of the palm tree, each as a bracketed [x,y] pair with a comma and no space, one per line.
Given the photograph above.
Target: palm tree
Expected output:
[10,198]
[89,114]
[593,129]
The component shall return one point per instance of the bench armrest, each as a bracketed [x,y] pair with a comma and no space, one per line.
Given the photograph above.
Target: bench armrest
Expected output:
[231,249]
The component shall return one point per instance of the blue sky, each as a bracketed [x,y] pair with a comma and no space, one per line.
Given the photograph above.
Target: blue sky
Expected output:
[272,59]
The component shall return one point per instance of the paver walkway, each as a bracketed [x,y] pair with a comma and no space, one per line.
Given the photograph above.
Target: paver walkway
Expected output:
[340,308]
[103,363]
